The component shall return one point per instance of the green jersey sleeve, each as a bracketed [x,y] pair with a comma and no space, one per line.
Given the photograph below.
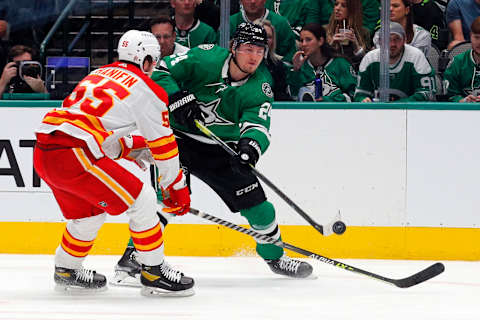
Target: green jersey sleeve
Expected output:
[453,78]
[367,75]
[174,70]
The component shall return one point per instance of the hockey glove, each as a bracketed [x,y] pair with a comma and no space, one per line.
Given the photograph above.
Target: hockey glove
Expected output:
[185,109]
[132,148]
[248,153]
[176,197]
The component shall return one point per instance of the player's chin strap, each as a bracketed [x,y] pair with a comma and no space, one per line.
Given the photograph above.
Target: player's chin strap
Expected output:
[282,195]
[410,281]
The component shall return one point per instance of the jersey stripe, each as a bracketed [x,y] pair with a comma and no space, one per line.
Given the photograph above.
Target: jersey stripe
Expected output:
[104,177]
[163,148]
[85,122]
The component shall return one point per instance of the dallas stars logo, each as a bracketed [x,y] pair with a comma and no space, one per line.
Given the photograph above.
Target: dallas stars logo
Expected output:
[209,110]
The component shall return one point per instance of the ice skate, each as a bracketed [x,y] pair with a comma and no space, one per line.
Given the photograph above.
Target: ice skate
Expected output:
[289,267]
[78,280]
[127,270]
[162,280]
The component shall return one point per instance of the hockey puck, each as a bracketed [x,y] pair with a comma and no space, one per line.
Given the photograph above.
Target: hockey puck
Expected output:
[339,227]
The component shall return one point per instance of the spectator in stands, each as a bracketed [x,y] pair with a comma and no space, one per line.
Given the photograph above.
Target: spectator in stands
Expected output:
[163,28]
[11,81]
[255,11]
[300,12]
[462,77]
[190,31]
[345,32]
[371,14]
[460,15]
[416,36]
[428,15]
[208,11]
[317,74]
[277,68]
[411,76]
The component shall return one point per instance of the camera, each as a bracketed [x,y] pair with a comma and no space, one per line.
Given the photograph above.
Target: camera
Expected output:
[24,68]
[28,68]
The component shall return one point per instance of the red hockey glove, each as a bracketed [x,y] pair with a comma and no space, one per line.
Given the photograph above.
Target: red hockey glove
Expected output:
[176,197]
[135,148]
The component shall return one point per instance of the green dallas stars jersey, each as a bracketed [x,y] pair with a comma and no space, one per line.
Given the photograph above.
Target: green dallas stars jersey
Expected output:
[462,77]
[301,12]
[411,78]
[338,79]
[232,110]
[200,33]
[286,45]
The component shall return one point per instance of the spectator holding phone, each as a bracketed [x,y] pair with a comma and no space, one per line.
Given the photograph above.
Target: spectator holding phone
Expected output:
[14,80]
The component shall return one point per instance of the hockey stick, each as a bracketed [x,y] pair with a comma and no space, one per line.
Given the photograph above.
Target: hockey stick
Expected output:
[258,174]
[424,275]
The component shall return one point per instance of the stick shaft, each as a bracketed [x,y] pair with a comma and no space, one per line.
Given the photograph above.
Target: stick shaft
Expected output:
[417,278]
[263,178]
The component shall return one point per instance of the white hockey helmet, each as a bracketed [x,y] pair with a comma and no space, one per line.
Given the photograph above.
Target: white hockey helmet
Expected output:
[134,46]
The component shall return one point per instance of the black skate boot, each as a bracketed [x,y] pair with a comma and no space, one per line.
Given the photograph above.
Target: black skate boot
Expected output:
[162,280]
[289,267]
[127,270]
[79,280]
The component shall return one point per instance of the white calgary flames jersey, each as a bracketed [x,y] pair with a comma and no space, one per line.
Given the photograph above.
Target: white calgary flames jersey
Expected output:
[111,102]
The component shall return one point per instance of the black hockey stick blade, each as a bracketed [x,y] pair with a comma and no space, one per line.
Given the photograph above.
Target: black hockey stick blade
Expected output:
[410,281]
[422,276]
[263,178]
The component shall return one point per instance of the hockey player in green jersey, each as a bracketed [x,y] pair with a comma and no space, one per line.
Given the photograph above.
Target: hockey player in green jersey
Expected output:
[462,77]
[411,76]
[226,90]
[317,75]
[254,11]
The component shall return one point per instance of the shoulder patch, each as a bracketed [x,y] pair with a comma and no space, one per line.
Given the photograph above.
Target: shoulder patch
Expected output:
[267,89]
[206,46]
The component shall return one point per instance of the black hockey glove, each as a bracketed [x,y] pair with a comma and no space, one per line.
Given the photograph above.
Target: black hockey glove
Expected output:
[248,153]
[185,109]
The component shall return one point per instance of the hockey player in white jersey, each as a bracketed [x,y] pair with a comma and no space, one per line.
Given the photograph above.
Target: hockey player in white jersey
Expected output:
[411,76]
[75,152]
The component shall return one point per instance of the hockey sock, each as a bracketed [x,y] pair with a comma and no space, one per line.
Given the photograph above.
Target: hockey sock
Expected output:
[262,219]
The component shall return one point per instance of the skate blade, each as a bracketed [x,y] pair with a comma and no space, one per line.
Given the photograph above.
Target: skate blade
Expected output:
[123,279]
[157,292]
[75,290]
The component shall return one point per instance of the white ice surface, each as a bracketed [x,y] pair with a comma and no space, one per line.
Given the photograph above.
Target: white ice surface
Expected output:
[244,288]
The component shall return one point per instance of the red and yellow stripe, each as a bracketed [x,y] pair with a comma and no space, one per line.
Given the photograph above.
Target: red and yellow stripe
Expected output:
[147,240]
[164,148]
[86,122]
[108,181]
[75,247]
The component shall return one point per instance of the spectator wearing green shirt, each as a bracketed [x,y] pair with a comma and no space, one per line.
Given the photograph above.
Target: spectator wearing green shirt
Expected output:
[255,11]
[316,63]
[190,31]
[462,77]
[301,12]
